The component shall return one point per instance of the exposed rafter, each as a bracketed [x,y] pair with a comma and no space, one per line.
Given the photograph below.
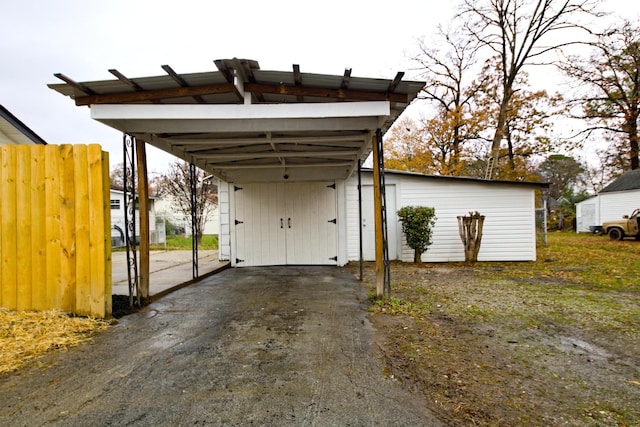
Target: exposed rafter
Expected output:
[395,82]
[242,123]
[178,79]
[346,79]
[133,85]
[81,87]
[297,80]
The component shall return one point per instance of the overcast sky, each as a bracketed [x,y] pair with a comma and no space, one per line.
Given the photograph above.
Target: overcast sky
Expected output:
[83,39]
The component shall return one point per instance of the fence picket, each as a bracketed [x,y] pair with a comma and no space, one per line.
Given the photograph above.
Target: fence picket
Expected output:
[8,230]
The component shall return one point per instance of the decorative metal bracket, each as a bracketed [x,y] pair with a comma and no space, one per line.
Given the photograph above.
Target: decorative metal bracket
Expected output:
[129,184]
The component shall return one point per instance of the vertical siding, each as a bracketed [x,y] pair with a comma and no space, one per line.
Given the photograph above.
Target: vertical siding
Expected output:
[509,228]
[224,238]
[54,221]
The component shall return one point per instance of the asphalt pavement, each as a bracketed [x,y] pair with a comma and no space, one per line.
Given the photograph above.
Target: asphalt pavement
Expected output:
[276,346]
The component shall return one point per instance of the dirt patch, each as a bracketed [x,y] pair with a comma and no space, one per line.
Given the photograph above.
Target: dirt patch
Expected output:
[487,348]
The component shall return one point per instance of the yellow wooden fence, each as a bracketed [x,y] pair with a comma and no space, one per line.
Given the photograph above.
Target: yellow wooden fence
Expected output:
[55,228]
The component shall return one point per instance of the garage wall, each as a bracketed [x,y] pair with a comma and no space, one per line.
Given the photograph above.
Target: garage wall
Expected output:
[615,205]
[607,207]
[509,228]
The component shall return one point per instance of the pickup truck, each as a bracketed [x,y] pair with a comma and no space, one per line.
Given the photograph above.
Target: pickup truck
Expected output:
[628,226]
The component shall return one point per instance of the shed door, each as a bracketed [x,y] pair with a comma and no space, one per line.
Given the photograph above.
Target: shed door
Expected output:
[368,223]
[293,223]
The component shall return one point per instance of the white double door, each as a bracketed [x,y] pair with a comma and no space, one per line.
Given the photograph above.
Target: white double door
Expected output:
[285,223]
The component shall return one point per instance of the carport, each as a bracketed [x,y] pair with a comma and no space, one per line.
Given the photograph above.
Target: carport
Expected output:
[290,131]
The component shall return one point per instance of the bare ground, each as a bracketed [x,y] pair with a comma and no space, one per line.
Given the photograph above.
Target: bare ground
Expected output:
[492,350]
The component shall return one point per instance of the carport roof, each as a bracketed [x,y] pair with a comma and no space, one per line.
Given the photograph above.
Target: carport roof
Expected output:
[241,123]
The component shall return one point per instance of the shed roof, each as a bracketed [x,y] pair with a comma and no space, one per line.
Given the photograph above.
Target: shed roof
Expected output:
[463,179]
[241,123]
[630,180]
[15,131]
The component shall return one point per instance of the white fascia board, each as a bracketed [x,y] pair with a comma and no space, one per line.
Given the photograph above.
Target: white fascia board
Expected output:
[110,112]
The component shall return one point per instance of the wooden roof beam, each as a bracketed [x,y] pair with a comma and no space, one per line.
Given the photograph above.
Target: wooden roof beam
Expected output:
[158,94]
[297,79]
[74,84]
[396,81]
[226,72]
[133,85]
[346,78]
[178,79]
[356,95]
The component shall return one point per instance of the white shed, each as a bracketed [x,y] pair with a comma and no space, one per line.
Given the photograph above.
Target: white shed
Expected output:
[272,223]
[617,199]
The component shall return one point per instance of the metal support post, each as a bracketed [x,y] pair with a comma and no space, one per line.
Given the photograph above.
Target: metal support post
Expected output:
[195,229]
[129,184]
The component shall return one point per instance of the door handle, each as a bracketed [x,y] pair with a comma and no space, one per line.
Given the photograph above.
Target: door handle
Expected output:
[281,223]
[289,222]
[364,222]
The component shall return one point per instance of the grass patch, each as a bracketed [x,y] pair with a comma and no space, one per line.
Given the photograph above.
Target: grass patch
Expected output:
[550,342]
[179,243]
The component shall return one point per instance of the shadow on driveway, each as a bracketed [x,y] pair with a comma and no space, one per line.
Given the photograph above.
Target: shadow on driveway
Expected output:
[247,346]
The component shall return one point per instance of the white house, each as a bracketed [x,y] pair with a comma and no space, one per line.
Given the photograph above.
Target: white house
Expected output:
[116,198]
[618,198]
[13,131]
[273,223]
[166,210]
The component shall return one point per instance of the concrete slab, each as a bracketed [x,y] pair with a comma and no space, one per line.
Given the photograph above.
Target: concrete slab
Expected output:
[276,346]
[168,270]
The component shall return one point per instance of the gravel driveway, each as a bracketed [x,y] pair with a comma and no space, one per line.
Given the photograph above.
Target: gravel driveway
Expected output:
[250,346]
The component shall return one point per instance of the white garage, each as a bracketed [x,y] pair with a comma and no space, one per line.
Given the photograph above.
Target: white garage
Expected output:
[320,222]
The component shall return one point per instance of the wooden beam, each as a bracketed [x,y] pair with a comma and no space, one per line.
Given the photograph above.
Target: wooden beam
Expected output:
[297,80]
[396,81]
[356,95]
[346,79]
[178,79]
[74,84]
[377,211]
[124,79]
[222,67]
[143,204]
[158,94]
[133,85]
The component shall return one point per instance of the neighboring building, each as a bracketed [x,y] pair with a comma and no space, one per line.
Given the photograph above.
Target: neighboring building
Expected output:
[13,131]
[156,232]
[166,210]
[617,199]
[259,226]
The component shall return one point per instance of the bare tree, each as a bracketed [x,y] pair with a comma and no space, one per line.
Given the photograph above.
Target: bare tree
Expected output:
[611,105]
[520,33]
[177,184]
[447,63]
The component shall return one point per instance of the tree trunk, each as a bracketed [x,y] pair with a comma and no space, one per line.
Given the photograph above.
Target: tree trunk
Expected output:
[470,228]
[417,256]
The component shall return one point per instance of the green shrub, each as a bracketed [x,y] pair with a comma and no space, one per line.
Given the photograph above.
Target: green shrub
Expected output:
[417,222]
